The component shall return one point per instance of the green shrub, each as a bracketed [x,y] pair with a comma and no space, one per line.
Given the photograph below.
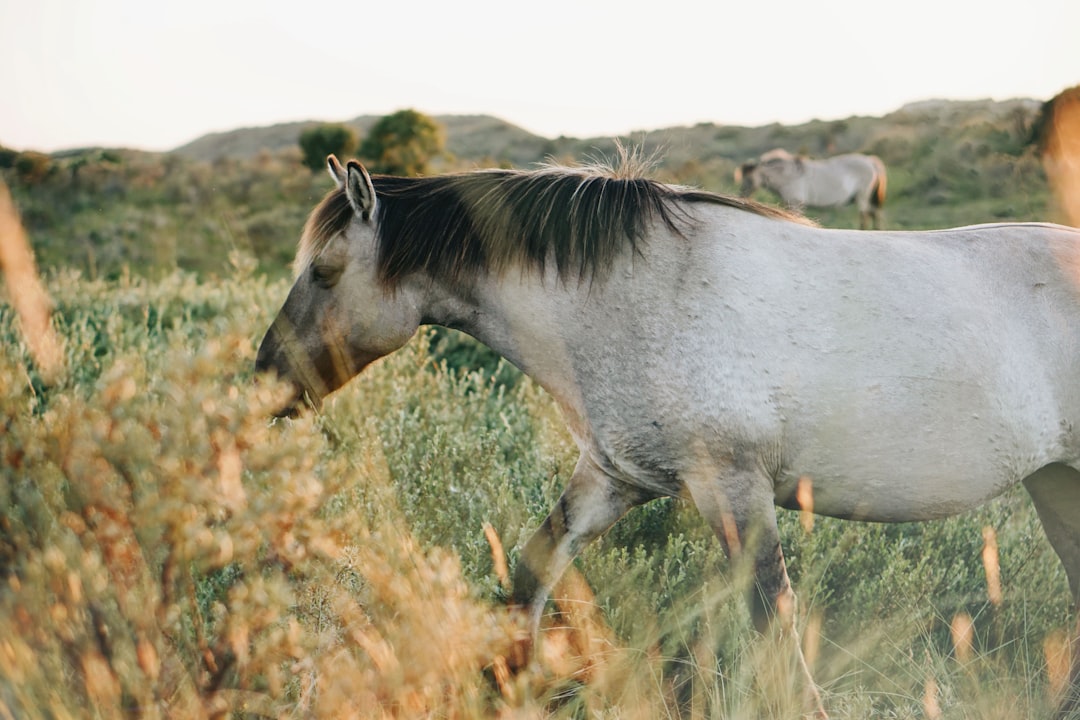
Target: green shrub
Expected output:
[162,545]
[32,167]
[326,139]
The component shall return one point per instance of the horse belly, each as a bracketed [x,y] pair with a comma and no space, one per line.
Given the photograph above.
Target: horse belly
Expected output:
[834,196]
[892,491]
[914,463]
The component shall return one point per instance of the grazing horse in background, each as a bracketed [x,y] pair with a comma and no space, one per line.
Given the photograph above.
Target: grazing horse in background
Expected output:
[714,349]
[801,182]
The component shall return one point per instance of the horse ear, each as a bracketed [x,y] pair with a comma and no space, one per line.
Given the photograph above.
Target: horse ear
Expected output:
[360,191]
[336,171]
[743,170]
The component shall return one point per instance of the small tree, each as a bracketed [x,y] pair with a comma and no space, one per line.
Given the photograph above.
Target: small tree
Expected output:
[326,139]
[32,167]
[7,157]
[403,143]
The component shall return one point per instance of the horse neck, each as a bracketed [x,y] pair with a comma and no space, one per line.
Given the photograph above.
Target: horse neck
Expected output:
[523,317]
[793,189]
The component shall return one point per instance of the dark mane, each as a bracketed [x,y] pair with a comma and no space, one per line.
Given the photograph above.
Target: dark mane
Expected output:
[452,226]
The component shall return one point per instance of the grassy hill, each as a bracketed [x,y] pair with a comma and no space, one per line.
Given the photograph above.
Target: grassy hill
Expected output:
[950,162]
[165,551]
[469,137]
[479,137]
[242,195]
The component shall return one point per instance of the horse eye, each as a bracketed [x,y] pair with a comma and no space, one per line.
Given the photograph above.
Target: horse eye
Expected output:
[326,275]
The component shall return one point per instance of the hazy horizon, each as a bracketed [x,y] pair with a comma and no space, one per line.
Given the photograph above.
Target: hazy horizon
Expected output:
[121,73]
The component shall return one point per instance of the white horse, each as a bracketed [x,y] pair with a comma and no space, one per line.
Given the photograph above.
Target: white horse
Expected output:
[801,182]
[713,349]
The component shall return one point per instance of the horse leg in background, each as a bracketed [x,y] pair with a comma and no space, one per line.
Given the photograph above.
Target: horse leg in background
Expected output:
[867,216]
[590,504]
[869,201]
[1055,491]
[741,512]
[871,219]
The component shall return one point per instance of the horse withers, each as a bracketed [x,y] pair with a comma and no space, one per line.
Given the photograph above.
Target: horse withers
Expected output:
[833,182]
[714,349]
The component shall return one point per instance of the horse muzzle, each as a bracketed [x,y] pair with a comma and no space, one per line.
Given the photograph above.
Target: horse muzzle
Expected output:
[293,405]
[273,360]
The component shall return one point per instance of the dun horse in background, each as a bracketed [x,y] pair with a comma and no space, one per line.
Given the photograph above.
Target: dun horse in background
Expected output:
[713,349]
[834,182]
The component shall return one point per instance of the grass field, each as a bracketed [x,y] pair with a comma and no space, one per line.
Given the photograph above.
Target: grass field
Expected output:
[168,552]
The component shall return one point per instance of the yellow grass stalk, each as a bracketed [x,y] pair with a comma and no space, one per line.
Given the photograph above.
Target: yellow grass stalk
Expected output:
[579,645]
[498,555]
[804,495]
[1058,656]
[811,638]
[931,706]
[26,292]
[993,567]
[962,630]
[1061,156]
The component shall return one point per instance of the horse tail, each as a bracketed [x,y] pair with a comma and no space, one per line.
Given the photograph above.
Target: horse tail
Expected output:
[877,196]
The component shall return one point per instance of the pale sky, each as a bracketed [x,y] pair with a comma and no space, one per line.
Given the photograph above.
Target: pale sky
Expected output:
[155,74]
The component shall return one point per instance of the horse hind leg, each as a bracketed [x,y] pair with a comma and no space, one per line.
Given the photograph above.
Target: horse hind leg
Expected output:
[870,219]
[741,512]
[1055,492]
[866,211]
[869,202]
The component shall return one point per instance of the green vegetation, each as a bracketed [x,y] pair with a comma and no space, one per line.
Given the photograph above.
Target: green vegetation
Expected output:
[327,139]
[221,200]
[404,143]
[117,212]
[165,551]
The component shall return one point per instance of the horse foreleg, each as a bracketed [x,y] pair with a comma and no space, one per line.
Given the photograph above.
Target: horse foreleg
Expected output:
[741,512]
[867,215]
[1055,492]
[590,504]
[875,218]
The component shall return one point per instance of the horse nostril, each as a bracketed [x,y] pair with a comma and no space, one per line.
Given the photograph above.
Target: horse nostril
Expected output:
[290,411]
[291,405]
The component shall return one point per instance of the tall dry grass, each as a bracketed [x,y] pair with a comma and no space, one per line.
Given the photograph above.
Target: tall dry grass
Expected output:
[1061,155]
[25,291]
[165,551]
[168,554]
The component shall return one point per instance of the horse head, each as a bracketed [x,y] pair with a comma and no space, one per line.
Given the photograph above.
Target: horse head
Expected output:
[338,316]
[778,171]
[748,178]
